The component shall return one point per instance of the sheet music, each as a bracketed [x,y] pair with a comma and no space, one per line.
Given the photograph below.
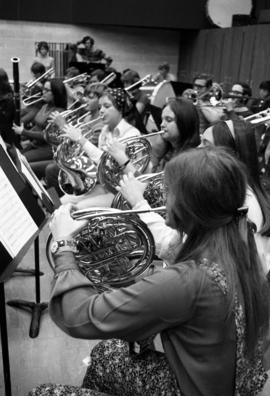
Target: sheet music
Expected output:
[16,224]
[32,178]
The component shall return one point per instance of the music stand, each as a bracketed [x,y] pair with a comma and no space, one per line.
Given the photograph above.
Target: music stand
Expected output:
[22,219]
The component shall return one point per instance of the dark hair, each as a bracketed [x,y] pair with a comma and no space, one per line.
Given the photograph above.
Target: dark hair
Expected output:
[187,121]
[164,66]
[130,77]
[59,93]
[38,68]
[265,85]
[99,73]
[206,77]
[72,71]
[86,38]
[43,44]
[5,87]
[243,145]
[247,92]
[111,93]
[97,89]
[206,186]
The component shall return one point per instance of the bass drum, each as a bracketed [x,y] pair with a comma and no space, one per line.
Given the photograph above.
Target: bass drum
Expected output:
[161,93]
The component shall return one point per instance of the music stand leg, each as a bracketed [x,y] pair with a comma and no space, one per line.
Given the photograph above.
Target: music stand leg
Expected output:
[34,308]
[4,340]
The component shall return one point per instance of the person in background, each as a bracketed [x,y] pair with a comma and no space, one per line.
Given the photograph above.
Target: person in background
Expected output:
[7,111]
[43,55]
[39,151]
[203,87]
[164,73]
[29,111]
[241,92]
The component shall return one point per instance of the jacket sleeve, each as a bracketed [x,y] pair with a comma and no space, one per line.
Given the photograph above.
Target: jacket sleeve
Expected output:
[131,313]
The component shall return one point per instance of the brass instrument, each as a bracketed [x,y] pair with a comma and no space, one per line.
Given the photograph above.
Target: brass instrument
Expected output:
[114,248]
[77,174]
[138,85]
[259,118]
[53,134]
[138,150]
[81,79]
[29,99]
[155,192]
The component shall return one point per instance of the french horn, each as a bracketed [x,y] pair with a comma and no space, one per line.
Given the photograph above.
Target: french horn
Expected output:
[53,134]
[155,192]
[114,248]
[77,175]
[138,150]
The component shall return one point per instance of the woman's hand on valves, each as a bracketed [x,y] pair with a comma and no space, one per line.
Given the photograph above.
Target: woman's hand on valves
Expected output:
[62,225]
[117,151]
[75,134]
[131,189]
[57,119]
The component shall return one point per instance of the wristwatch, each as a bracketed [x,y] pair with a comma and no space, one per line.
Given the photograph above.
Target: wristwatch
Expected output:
[65,245]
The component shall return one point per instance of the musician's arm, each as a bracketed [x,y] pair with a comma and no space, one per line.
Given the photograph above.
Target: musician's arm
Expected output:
[167,240]
[131,313]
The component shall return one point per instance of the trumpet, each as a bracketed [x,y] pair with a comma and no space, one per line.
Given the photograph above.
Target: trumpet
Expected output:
[139,84]
[81,79]
[138,150]
[113,248]
[31,83]
[259,118]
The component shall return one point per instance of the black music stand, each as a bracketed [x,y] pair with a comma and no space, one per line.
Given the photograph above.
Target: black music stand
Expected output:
[17,198]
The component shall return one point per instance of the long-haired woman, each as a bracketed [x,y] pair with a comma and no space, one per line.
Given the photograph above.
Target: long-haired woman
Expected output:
[211,307]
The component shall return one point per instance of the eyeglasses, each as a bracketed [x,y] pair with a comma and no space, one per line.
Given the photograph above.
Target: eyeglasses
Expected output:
[198,86]
[46,89]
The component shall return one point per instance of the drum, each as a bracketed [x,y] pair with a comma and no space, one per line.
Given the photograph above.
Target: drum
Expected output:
[161,92]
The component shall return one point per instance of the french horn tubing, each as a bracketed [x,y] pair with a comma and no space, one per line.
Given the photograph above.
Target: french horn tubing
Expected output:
[77,175]
[138,150]
[113,248]
[155,192]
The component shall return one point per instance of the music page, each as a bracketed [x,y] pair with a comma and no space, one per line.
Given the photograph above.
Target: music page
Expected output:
[16,224]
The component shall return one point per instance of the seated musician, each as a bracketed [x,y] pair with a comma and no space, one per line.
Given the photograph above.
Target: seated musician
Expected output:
[208,115]
[112,108]
[7,111]
[180,122]
[92,93]
[164,74]
[29,111]
[38,151]
[241,92]
[88,53]
[43,55]
[263,102]
[211,307]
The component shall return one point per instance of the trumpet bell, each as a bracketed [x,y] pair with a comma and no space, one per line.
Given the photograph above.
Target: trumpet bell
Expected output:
[138,151]
[113,250]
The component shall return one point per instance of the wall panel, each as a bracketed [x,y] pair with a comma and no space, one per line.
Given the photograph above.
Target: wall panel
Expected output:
[137,48]
[233,54]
